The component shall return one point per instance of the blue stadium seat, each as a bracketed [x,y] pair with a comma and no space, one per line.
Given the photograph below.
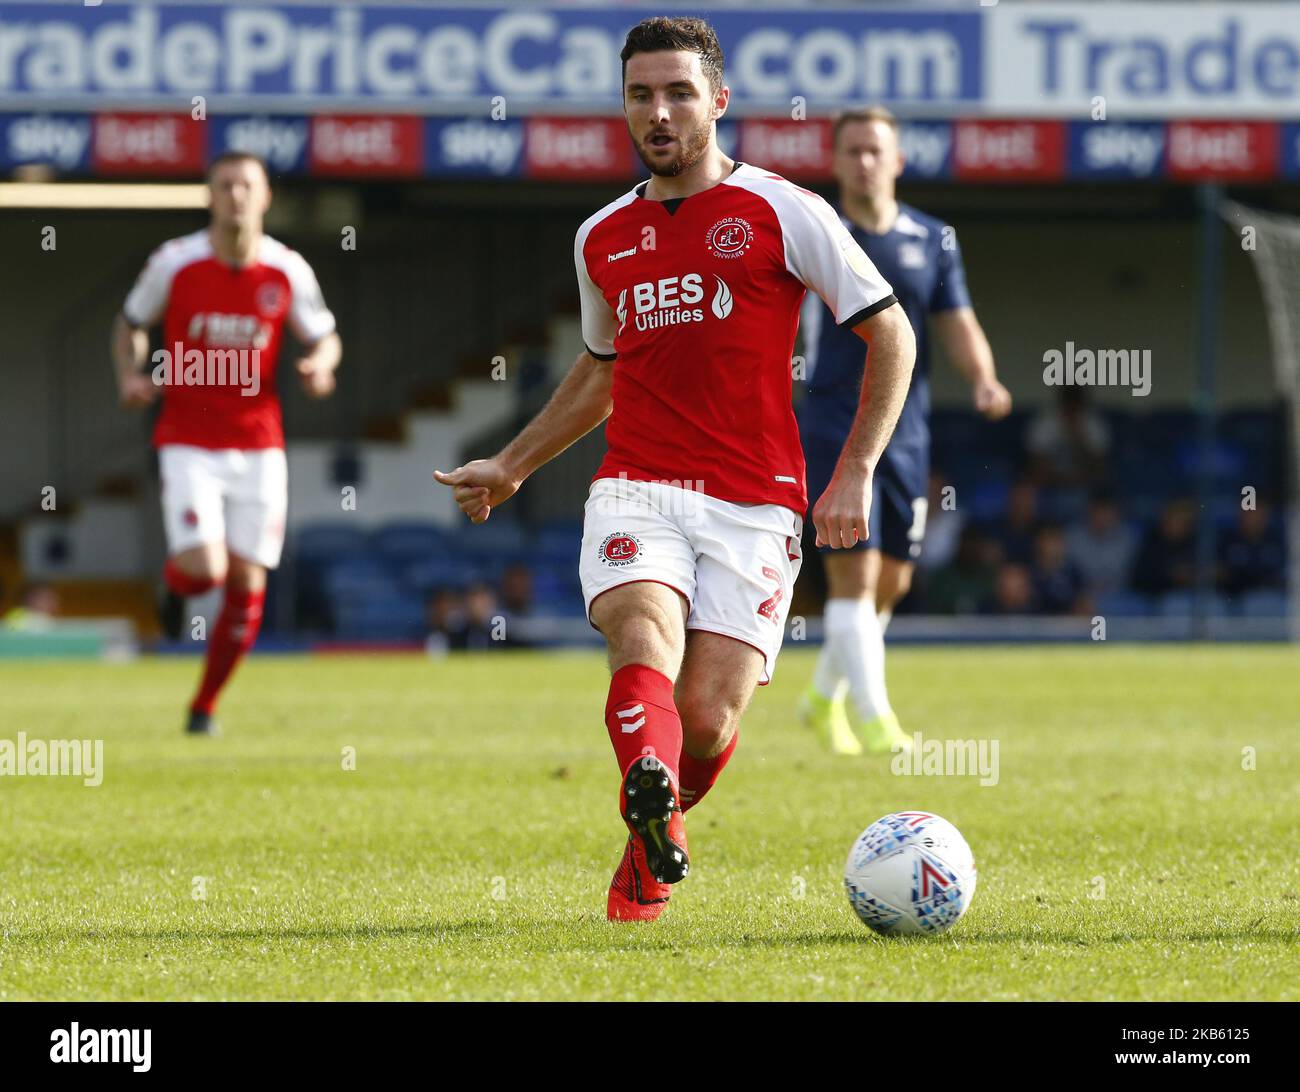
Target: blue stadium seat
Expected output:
[390,619]
[1264,603]
[1225,510]
[1265,428]
[554,583]
[570,607]
[448,571]
[1124,604]
[360,567]
[1005,439]
[316,543]
[985,501]
[559,542]
[496,538]
[1181,604]
[411,540]
[1175,605]
[367,601]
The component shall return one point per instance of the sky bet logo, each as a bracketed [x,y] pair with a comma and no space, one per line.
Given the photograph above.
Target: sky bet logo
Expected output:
[667,302]
[280,142]
[1117,149]
[35,138]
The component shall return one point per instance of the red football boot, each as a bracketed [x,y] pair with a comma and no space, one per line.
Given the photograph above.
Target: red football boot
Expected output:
[652,811]
[634,894]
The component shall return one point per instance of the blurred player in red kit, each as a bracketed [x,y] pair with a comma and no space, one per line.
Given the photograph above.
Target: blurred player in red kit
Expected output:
[223,296]
[691,285]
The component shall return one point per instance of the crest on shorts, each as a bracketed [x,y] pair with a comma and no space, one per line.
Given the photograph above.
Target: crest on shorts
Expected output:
[730,238]
[191,518]
[620,549]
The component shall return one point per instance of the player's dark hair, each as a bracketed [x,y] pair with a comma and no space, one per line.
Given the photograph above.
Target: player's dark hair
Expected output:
[671,34]
[238,157]
[866,113]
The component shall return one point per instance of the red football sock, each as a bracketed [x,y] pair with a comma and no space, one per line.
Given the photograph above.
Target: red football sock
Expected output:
[232,636]
[642,718]
[182,583]
[699,774]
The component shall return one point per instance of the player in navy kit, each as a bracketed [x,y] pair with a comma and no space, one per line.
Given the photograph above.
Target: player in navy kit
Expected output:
[919,257]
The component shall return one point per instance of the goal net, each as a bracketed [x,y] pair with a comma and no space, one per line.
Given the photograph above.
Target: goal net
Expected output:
[1273,242]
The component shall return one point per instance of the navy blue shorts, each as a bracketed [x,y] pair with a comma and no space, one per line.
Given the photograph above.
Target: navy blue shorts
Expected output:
[899,489]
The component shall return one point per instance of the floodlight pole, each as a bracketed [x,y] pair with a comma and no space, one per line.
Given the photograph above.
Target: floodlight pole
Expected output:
[1209,196]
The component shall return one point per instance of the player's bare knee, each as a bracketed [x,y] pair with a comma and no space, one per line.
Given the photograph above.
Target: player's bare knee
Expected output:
[203,564]
[853,574]
[895,582]
[245,577]
[709,720]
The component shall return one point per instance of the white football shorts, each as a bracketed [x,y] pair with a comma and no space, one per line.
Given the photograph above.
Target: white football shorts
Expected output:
[225,495]
[735,564]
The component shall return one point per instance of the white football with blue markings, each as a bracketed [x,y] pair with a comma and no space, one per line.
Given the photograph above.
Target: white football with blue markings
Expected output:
[910,872]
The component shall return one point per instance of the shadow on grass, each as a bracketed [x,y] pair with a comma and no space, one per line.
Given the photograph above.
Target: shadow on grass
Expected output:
[1030,936]
[575,934]
[432,930]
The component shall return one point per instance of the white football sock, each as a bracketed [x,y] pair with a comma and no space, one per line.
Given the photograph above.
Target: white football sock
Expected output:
[884,614]
[860,651]
[828,679]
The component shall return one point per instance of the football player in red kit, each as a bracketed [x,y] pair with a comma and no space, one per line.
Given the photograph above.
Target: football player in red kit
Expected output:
[690,286]
[223,296]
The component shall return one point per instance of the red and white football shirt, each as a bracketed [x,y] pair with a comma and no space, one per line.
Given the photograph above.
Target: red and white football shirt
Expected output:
[698,301]
[206,305]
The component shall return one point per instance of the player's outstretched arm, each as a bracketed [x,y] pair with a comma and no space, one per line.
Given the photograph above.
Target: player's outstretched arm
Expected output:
[317,366]
[130,348]
[840,516]
[579,404]
[965,344]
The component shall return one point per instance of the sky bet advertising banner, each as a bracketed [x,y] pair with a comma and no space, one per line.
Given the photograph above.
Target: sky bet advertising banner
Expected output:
[1011,91]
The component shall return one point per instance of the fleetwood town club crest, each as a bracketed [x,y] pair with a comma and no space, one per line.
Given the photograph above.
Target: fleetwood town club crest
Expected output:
[730,238]
[271,298]
[620,549]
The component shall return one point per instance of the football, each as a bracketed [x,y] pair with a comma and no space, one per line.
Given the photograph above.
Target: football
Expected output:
[910,872]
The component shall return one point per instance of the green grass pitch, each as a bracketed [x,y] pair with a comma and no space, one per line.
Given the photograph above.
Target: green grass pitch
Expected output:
[1124,853]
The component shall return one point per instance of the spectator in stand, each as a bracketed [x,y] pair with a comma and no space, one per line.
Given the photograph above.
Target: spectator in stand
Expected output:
[1252,556]
[1015,534]
[1167,560]
[1013,591]
[967,585]
[516,602]
[1069,444]
[517,590]
[485,627]
[445,611]
[1058,584]
[1101,548]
